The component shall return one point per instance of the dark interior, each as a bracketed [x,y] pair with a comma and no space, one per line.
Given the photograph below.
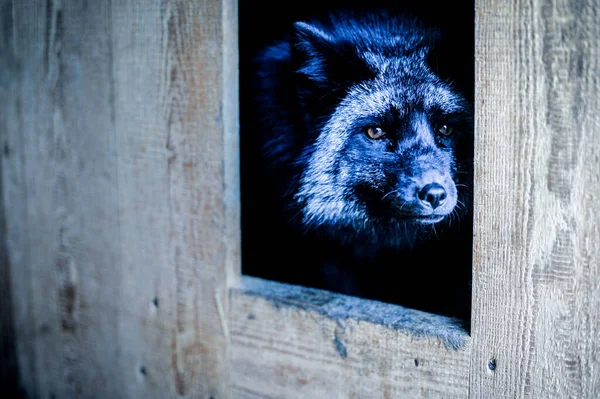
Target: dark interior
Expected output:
[440,281]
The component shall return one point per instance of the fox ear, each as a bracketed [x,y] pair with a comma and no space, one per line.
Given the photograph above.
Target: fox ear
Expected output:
[311,49]
[310,37]
[325,60]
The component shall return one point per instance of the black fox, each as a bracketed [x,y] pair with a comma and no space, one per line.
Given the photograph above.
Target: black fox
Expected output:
[366,151]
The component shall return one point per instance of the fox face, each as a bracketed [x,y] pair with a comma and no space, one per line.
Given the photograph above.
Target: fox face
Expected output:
[360,160]
[391,140]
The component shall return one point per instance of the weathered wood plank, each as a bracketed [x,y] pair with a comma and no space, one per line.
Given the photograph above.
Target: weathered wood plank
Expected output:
[122,196]
[14,314]
[175,68]
[295,342]
[536,312]
[67,144]
[8,352]
[14,191]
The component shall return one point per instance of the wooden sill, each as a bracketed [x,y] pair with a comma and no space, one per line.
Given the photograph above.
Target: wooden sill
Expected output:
[294,341]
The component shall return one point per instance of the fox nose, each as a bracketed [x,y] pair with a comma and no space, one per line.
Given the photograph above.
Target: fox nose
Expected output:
[433,194]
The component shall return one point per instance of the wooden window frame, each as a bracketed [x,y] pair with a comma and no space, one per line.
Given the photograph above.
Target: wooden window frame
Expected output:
[289,341]
[120,177]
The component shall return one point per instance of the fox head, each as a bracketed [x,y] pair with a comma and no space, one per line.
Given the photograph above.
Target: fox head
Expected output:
[390,140]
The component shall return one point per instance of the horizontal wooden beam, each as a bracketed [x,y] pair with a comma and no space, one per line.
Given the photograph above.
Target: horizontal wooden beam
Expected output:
[292,341]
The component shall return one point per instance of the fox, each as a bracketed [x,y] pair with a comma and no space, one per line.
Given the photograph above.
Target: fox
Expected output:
[365,149]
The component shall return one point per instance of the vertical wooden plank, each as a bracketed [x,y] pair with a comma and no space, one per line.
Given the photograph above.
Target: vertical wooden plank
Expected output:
[175,68]
[139,58]
[122,196]
[8,356]
[65,239]
[536,307]
[32,27]
[8,119]
[14,314]
[14,109]
[230,115]
[14,190]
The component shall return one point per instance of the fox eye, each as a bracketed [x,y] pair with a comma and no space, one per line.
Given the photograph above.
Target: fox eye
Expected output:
[445,130]
[375,133]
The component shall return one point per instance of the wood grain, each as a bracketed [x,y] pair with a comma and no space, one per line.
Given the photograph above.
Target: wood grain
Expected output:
[13,314]
[176,119]
[15,193]
[121,195]
[295,342]
[536,310]
[66,145]
[120,185]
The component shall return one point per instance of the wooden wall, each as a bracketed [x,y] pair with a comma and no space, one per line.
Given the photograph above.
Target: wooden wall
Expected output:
[119,153]
[536,288]
[119,172]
